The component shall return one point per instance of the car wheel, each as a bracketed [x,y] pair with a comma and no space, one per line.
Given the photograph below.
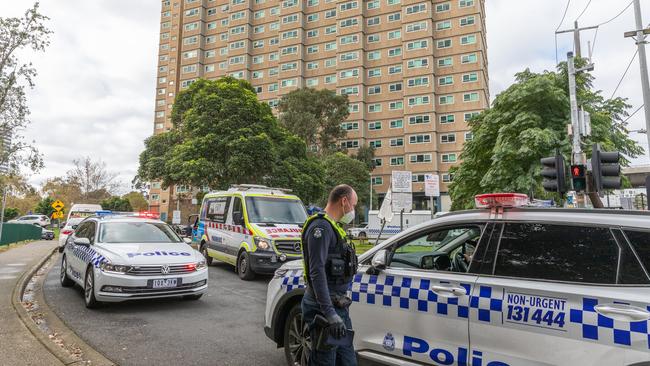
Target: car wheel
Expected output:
[65,280]
[362,235]
[192,297]
[89,289]
[204,251]
[244,267]
[297,342]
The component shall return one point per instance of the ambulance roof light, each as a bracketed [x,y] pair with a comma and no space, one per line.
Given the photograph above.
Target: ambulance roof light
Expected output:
[490,200]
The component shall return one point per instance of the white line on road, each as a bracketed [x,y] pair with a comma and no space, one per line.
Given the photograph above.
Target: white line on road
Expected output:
[8,277]
[16,264]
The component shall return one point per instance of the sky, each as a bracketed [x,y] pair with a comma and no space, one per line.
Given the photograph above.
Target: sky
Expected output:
[95,89]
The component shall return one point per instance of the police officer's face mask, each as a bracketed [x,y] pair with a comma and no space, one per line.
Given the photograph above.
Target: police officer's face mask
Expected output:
[347,217]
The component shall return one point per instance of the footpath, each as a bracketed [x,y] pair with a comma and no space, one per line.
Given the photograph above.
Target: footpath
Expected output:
[18,346]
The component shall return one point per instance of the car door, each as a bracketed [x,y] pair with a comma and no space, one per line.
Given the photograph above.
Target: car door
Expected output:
[218,237]
[235,224]
[560,294]
[417,308]
[76,251]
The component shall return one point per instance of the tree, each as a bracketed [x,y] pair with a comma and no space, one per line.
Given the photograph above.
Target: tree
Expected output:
[44,206]
[366,154]
[342,169]
[95,182]
[16,35]
[527,122]
[63,190]
[314,115]
[116,203]
[11,213]
[137,201]
[222,135]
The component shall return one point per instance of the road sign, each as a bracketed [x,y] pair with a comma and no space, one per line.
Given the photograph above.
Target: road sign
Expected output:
[176,217]
[58,205]
[401,182]
[432,185]
[57,215]
[402,201]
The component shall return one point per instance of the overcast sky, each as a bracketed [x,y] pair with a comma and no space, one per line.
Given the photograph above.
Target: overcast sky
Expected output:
[96,85]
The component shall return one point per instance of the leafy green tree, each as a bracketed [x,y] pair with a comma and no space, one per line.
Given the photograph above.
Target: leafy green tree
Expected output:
[366,154]
[44,206]
[527,122]
[137,201]
[222,135]
[16,36]
[342,169]
[314,115]
[11,213]
[116,203]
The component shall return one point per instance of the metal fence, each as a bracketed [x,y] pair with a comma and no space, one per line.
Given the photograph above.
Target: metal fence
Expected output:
[13,233]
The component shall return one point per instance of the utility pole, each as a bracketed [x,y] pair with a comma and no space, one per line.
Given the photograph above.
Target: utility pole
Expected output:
[576,39]
[639,34]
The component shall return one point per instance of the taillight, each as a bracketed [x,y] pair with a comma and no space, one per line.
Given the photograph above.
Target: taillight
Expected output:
[66,232]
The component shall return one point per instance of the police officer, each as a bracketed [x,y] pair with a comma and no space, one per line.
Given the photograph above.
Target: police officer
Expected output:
[330,264]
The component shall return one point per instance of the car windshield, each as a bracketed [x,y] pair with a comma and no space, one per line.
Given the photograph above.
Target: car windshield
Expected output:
[270,210]
[137,232]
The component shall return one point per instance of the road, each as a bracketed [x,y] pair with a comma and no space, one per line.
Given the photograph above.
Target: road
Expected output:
[224,327]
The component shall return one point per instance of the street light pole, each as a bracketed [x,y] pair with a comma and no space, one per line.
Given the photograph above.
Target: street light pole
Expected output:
[640,34]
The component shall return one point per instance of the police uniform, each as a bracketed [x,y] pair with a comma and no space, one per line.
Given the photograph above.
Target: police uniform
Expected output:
[330,264]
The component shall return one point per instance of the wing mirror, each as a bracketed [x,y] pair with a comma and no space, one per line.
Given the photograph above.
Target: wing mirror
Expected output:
[84,242]
[238,218]
[187,240]
[378,262]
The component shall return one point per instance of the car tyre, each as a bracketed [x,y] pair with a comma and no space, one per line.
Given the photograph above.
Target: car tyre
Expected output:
[362,235]
[89,289]
[244,269]
[297,342]
[204,251]
[192,297]
[63,277]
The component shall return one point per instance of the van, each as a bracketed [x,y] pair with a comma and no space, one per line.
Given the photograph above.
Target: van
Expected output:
[77,213]
[255,228]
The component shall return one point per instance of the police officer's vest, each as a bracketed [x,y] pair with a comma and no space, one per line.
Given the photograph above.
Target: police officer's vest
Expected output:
[341,264]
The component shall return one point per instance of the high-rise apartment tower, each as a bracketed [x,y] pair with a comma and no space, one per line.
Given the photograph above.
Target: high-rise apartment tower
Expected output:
[415,71]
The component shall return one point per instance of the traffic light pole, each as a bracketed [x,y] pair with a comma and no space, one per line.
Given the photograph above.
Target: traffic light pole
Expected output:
[577,157]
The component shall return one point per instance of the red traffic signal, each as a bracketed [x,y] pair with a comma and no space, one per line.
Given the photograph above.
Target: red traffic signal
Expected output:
[577,171]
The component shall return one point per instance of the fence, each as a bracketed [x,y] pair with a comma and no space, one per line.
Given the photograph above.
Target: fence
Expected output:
[12,233]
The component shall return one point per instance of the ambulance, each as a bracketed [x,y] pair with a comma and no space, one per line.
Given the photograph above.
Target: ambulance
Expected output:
[503,285]
[255,228]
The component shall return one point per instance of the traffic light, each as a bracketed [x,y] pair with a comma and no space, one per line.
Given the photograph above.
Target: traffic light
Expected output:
[579,177]
[553,171]
[605,168]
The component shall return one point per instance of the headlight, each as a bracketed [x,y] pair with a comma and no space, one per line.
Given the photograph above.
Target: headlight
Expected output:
[200,265]
[262,243]
[115,268]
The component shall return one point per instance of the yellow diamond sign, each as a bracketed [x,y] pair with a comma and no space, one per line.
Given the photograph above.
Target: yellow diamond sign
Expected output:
[57,215]
[58,205]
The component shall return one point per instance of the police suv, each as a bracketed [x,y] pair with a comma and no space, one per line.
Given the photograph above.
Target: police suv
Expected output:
[253,227]
[501,285]
[116,258]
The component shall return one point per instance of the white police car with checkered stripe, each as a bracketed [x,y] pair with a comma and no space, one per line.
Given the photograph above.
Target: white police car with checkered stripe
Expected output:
[116,258]
[501,285]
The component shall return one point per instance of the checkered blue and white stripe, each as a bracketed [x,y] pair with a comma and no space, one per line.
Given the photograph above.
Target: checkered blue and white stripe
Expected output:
[597,327]
[488,305]
[406,293]
[292,280]
[88,255]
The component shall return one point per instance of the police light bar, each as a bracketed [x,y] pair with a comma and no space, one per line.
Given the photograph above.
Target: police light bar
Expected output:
[490,200]
[102,213]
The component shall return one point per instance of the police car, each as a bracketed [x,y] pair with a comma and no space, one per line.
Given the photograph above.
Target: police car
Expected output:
[116,258]
[253,227]
[501,285]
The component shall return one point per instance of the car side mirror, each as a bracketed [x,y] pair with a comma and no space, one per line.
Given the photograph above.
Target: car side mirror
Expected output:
[379,260]
[187,240]
[84,242]
[238,218]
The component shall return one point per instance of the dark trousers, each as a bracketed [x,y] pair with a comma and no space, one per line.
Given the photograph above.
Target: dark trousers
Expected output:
[338,356]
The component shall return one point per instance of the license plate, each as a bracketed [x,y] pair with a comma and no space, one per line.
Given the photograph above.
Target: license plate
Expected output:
[165,283]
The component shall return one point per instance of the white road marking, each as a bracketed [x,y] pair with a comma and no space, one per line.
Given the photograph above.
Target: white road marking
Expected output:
[8,277]
[16,264]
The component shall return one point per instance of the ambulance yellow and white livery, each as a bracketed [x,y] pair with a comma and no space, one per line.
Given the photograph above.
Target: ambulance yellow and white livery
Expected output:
[502,285]
[253,227]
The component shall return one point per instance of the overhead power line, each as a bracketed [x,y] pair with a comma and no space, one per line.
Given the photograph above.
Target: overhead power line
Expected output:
[557,61]
[625,73]
[633,113]
[617,15]
[583,10]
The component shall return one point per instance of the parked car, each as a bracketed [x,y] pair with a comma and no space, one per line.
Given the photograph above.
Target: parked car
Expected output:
[40,220]
[47,234]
